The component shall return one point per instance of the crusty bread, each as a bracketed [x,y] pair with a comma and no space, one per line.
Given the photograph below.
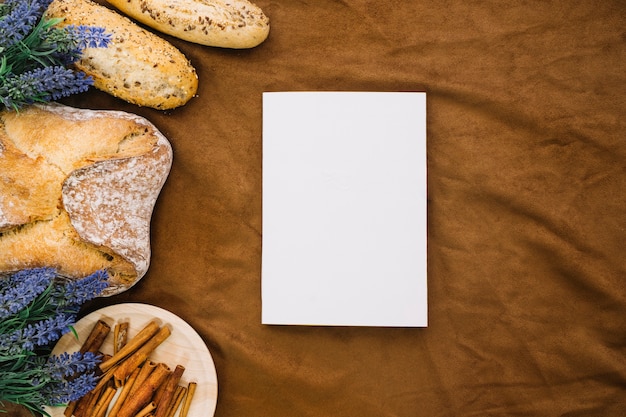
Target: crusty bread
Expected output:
[137,66]
[223,23]
[77,190]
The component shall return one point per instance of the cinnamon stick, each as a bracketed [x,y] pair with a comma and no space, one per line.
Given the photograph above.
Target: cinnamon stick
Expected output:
[147,410]
[69,410]
[144,372]
[92,343]
[96,337]
[137,358]
[103,402]
[167,393]
[120,336]
[88,402]
[191,390]
[86,411]
[133,345]
[136,402]
[124,393]
[178,399]
[104,379]
[84,402]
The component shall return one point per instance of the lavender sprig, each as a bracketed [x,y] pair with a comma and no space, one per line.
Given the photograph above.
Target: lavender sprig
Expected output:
[66,365]
[88,36]
[37,54]
[42,85]
[63,391]
[77,292]
[17,19]
[66,44]
[34,335]
[53,381]
[38,306]
[59,295]
[21,288]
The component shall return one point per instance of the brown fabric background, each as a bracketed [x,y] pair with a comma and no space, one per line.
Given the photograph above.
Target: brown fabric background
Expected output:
[527,211]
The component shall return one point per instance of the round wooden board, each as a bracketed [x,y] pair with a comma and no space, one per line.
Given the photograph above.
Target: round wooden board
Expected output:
[184,347]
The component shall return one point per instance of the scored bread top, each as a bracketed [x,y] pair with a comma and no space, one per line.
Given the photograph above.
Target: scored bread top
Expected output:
[96,176]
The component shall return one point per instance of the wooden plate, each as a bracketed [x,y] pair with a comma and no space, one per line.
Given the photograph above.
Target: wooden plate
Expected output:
[184,347]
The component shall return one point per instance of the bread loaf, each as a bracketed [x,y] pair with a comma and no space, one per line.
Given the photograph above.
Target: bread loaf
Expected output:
[222,23]
[77,190]
[137,66]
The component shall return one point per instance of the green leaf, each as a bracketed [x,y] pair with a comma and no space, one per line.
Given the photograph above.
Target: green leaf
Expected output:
[74,332]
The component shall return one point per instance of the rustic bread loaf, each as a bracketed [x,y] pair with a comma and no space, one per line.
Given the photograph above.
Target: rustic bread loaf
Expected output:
[77,190]
[223,23]
[137,66]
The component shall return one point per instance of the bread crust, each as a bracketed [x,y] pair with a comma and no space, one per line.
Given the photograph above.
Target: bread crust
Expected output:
[234,24]
[137,66]
[103,191]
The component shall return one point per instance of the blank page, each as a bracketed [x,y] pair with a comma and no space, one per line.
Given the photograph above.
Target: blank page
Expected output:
[344,209]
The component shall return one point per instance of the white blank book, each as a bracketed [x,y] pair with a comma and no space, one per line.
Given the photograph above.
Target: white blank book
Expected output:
[344,209]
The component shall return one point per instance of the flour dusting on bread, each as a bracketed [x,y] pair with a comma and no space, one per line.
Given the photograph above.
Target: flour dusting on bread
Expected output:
[110,202]
[77,191]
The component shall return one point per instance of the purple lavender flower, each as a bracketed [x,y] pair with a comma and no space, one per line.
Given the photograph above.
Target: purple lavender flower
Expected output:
[20,289]
[67,84]
[63,378]
[77,292]
[66,365]
[40,333]
[68,43]
[18,17]
[42,84]
[88,36]
[64,391]
[28,375]
[36,53]
[47,331]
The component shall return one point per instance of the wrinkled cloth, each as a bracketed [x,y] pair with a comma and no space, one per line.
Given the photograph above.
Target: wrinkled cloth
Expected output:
[526,211]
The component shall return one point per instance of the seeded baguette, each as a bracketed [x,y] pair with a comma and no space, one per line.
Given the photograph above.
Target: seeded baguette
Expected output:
[236,24]
[137,66]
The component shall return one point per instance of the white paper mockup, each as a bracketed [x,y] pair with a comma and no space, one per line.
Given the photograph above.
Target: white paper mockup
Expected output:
[344,209]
